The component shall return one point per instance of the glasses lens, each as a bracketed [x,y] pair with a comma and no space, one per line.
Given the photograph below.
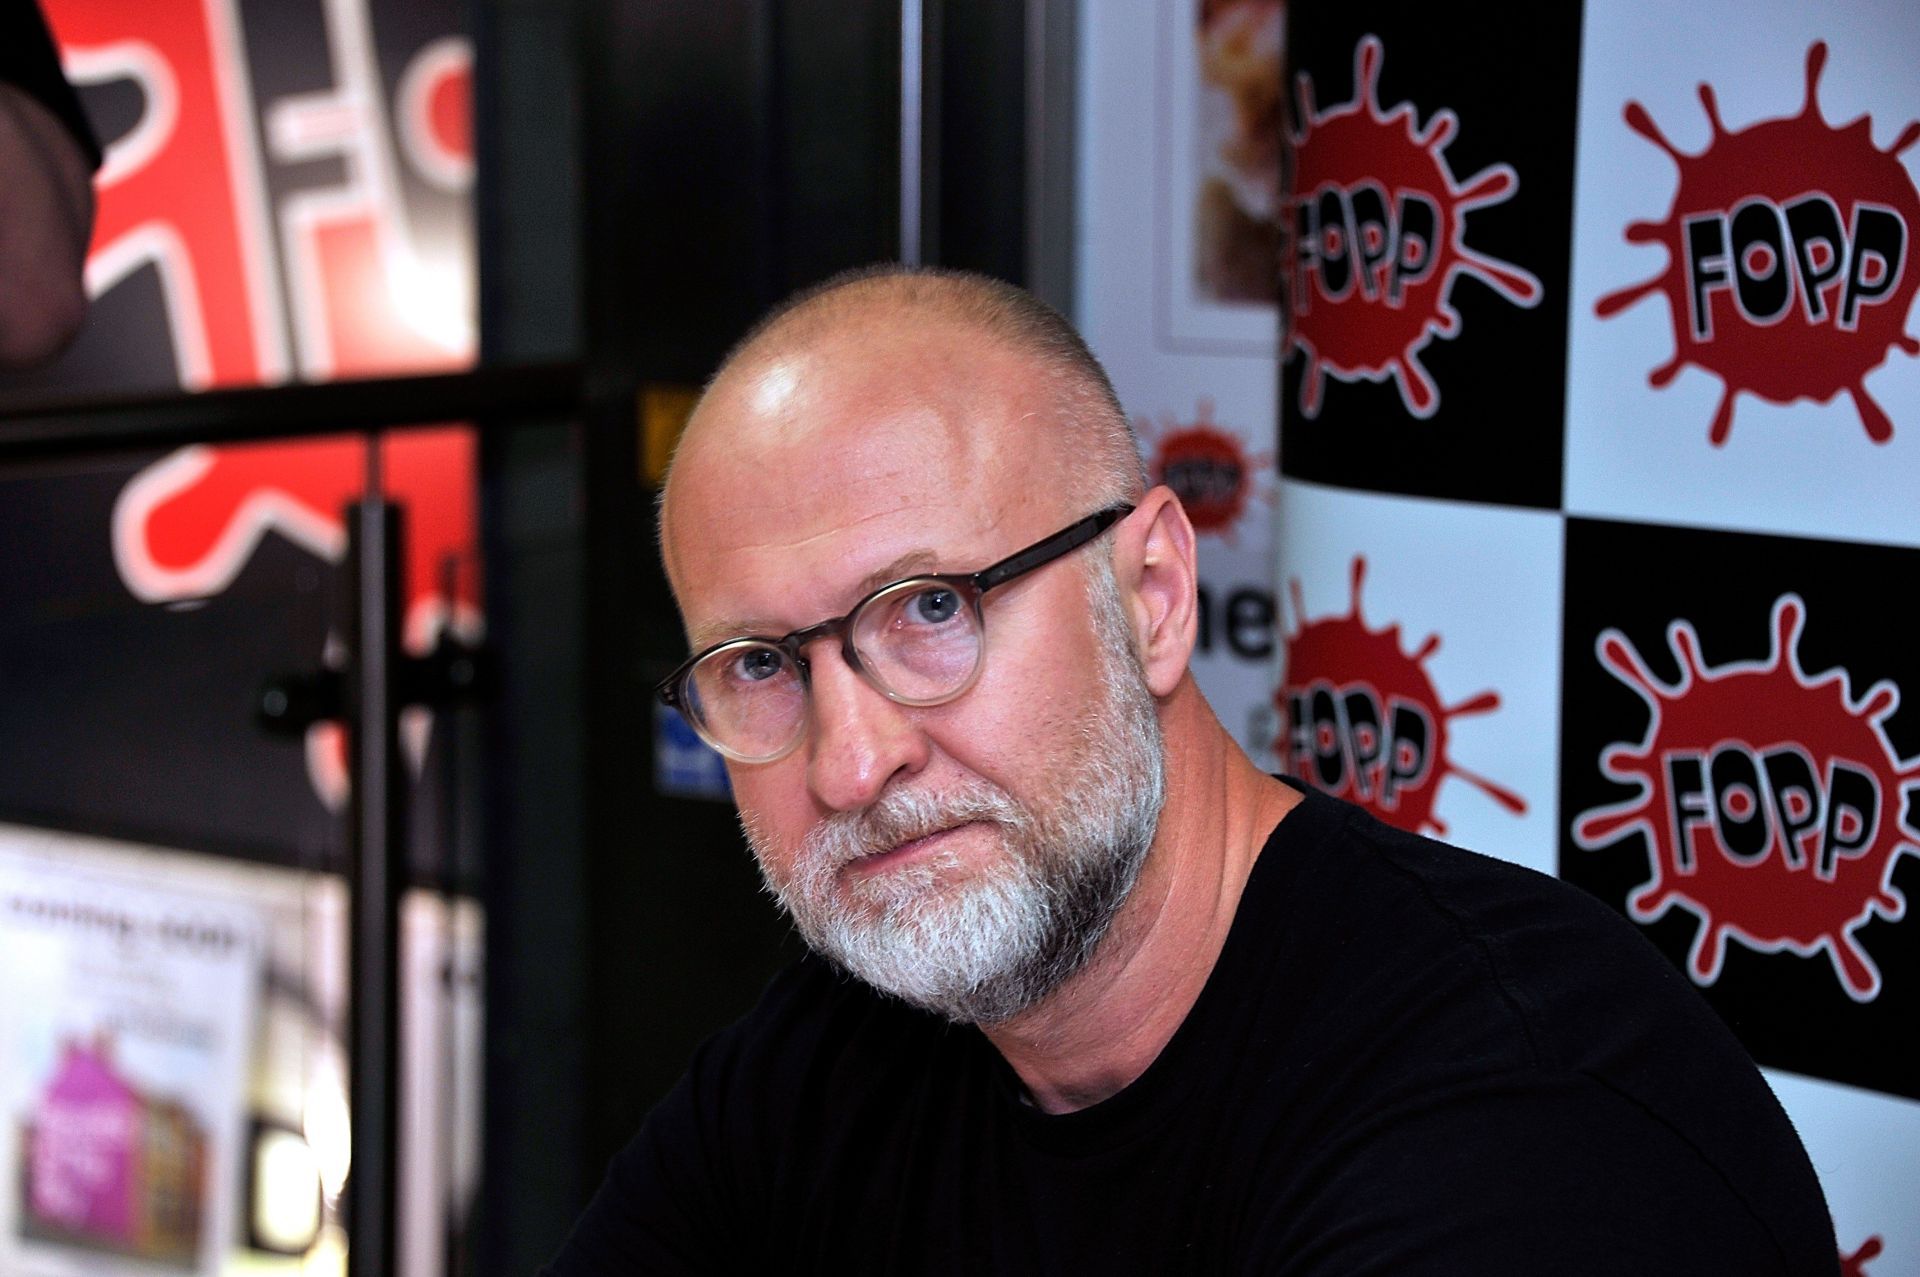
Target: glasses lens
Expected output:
[921,640]
[748,699]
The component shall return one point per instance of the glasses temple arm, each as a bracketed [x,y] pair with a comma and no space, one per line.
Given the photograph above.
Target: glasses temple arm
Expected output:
[1046,551]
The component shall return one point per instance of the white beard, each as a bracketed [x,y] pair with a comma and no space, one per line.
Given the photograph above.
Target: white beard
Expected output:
[979,942]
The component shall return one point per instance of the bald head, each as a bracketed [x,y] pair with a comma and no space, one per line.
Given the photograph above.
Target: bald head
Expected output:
[891,293]
[897,329]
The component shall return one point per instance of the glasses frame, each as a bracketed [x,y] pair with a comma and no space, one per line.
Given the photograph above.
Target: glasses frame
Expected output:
[972,586]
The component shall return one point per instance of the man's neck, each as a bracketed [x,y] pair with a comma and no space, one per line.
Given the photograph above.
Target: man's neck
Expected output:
[1100,1030]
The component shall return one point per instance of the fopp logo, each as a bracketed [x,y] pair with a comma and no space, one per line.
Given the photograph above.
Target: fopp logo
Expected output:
[1788,242]
[1771,803]
[1855,1265]
[1361,719]
[1376,235]
[1208,468]
[186,527]
[366,272]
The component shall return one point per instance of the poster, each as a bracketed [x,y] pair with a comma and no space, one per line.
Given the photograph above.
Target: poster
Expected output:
[127,1012]
[286,196]
[1601,370]
[1177,296]
[1217,186]
[279,1210]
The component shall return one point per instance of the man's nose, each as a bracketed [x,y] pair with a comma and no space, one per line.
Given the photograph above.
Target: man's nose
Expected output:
[858,739]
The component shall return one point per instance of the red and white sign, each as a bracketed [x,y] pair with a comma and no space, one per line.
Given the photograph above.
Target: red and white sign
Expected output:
[1790,272]
[1377,238]
[372,287]
[1772,805]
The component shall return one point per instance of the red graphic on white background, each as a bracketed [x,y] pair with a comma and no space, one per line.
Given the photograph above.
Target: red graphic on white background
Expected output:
[1361,719]
[365,302]
[185,190]
[185,527]
[1209,468]
[435,113]
[1376,238]
[1855,1265]
[1771,803]
[1790,271]
[181,192]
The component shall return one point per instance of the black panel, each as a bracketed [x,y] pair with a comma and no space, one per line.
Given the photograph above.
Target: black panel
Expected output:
[1810,1014]
[982,137]
[123,718]
[737,151]
[1490,429]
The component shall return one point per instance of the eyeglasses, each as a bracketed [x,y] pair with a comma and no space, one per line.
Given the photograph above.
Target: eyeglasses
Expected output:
[920,641]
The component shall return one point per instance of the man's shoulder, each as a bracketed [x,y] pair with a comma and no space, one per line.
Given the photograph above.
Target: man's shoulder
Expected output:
[815,1033]
[1571,980]
[1471,889]
[1381,876]
[1458,992]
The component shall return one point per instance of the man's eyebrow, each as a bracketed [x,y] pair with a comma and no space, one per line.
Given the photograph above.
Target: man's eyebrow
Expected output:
[717,632]
[912,563]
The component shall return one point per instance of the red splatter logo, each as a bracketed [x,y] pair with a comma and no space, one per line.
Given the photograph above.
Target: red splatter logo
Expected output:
[1208,468]
[1787,273]
[185,527]
[1361,719]
[1771,802]
[1376,232]
[1855,1265]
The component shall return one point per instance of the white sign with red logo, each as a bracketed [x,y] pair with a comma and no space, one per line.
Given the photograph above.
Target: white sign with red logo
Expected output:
[1189,343]
[373,286]
[1420,675]
[1746,257]
[1866,1149]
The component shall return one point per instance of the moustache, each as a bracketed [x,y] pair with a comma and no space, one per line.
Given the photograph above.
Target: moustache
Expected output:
[900,816]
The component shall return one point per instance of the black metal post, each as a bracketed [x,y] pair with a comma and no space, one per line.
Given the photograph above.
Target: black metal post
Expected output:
[377,834]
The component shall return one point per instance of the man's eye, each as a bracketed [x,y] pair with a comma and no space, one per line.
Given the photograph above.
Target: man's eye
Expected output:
[758,664]
[933,606]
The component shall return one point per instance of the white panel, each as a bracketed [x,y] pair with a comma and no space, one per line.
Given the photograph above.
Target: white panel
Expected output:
[1139,80]
[1636,451]
[1485,580]
[1866,1148]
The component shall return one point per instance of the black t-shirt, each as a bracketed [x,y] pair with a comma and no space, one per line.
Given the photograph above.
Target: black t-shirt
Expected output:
[28,61]
[1408,1059]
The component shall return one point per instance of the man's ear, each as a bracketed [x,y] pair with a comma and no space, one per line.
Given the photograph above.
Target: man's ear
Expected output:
[1154,566]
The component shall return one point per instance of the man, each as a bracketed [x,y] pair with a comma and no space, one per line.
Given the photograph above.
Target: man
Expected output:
[1120,1001]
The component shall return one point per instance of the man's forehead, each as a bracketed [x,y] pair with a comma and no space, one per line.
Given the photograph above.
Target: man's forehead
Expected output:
[776,439]
[817,470]
[854,466]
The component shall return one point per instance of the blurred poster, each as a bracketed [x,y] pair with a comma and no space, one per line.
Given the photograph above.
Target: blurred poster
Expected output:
[1219,185]
[286,195]
[1221,468]
[274,1005]
[1190,343]
[126,1019]
[286,192]
[1601,375]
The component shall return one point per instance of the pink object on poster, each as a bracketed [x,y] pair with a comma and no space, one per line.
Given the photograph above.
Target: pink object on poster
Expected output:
[83,1150]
